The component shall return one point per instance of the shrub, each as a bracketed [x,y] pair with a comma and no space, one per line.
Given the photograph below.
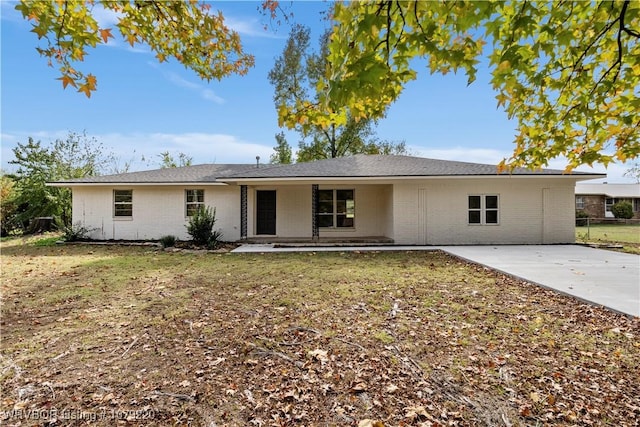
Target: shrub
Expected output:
[74,232]
[168,241]
[581,217]
[200,228]
[622,210]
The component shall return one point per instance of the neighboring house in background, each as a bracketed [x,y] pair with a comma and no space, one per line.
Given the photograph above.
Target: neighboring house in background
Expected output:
[596,199]
[396,199]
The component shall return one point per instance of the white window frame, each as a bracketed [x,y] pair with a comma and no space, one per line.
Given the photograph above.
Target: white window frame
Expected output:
[117,204]
[193,204]
[607,205]
[579,202]
[636,205]
[483,209]
[349,213]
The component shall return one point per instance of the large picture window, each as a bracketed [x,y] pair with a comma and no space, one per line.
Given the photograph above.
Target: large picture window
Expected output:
[336,208]
[123,203]
[194,201]
[483,209]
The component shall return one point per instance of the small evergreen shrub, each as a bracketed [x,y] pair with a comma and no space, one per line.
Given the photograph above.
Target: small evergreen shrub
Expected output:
[200,228]
[622,210]
[581,218]
[168,241]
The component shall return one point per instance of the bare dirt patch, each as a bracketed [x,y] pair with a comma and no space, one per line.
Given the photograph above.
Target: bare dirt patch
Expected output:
[143,337]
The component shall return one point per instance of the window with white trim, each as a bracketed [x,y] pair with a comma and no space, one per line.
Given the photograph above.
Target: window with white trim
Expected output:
[636,205]
[336,208]
[123,203]
[483,209]
[608,203]
[194,201]
[579,202]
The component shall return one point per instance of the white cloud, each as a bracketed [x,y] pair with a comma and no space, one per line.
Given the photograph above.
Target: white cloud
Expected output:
[250,27]
[180,81]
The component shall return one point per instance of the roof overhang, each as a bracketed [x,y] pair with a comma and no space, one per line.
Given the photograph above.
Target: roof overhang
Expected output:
[134,184]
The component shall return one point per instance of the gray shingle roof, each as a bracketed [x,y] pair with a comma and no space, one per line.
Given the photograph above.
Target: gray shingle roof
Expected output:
[197,173]
[358,166]
[362,165]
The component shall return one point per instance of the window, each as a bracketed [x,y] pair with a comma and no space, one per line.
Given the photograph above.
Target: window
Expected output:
[123,203]
[636,205]
[608,203]
[336,208]
[483,209]
[579,202]
[194,201]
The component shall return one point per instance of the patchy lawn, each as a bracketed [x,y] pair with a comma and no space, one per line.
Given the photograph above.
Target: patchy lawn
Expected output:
[95,334]
[627,235]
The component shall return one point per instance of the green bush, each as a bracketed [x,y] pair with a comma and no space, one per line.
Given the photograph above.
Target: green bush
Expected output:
[200,228]
[581,218]
[622,210]
[168,241]
[74,232]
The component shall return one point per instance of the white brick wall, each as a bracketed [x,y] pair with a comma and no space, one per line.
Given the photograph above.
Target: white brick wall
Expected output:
[522,220]
[434,212]
[157,211]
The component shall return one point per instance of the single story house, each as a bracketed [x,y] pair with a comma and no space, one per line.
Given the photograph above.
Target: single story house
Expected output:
[397,199]
[596,199]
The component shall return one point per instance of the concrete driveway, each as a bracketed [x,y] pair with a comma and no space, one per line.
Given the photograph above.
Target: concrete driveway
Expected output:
[602,277]
[607,278]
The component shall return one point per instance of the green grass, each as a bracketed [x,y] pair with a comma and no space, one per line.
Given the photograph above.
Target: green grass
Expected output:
[626,235]
[313,338]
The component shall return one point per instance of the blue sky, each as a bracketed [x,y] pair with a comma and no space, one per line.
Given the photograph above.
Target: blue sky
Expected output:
[142,108]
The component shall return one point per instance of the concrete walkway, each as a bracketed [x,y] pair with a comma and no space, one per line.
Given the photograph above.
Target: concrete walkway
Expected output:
[602,277]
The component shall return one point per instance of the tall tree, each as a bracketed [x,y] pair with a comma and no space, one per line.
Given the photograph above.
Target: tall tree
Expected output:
[282,151]
[77,156]
[568,71]
[295,77]
[186,31]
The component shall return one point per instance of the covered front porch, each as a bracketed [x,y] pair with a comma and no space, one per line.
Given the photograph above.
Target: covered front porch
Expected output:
[317,213]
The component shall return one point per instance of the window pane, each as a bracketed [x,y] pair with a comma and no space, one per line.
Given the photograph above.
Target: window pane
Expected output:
[474,217]
[123,210]
[344,194]
[123,195]
[474,202]
[491,202]
[491,217]
[343,221]
[325,220]
[325,207]
[341,206]
[325,195]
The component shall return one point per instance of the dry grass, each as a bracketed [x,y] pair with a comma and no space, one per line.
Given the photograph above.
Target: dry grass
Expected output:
[307,339]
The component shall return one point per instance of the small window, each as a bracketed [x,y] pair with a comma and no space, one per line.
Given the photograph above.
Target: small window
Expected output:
[608,203]
[123,203]
[336,208]
[194,201]
[636,205]
[579,202]
[483,209]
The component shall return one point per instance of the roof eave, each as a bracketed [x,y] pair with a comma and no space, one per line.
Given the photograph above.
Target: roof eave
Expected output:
[134,184]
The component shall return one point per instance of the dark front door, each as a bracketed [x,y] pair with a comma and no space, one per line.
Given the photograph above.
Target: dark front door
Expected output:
[266,212]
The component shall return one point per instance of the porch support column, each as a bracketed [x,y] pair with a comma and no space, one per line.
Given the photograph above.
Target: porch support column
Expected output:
[314,212]
[243,212]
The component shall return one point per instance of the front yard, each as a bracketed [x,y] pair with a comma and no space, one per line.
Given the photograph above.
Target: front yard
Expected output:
[625,235]
[104,334]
